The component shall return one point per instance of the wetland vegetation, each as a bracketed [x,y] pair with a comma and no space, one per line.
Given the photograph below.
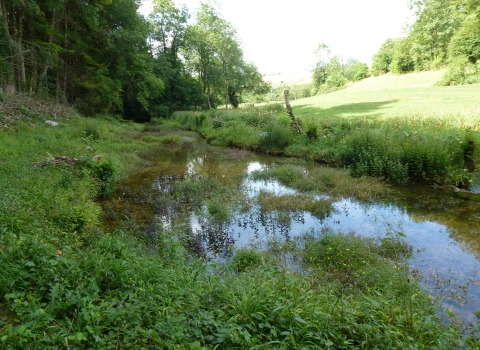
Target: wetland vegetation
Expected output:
[149,278]
[116,235]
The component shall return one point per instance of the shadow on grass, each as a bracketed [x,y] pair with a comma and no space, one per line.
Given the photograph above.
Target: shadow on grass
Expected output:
[350,109]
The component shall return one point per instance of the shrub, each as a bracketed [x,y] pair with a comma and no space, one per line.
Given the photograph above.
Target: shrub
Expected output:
[360,71]
[104,173]
[245,259]
[276,138]
[312,132]
[456,71]
[336,80]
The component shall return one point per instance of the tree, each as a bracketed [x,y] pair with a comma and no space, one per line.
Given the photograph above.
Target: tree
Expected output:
[437,21]
[466,41]
[360,71]
[168,26]
[349,68]
[381,61]
[335,72]
[322,54]
[214,55]
[402,61]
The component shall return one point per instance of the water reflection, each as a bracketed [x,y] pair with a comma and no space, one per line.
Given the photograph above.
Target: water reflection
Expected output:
[442,227]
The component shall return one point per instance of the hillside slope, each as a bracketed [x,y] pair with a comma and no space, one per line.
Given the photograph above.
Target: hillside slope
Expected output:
[394,96]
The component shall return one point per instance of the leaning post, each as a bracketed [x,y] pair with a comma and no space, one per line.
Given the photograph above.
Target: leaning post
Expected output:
[293,121]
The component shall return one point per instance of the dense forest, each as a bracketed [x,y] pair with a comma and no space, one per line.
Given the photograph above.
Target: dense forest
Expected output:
[105,57]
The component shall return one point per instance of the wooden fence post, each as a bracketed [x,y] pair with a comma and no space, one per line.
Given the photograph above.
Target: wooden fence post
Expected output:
[293,122]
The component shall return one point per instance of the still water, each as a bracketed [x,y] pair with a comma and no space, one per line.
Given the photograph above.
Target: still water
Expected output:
[442,227]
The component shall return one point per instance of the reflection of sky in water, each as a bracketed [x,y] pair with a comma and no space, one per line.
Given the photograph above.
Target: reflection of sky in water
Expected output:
[475,185]
[435,251]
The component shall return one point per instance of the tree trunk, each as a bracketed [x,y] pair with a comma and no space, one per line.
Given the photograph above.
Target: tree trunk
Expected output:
[7,62]
[50,40]
[20,53]
[224,64]
[208,97]
[65,60]
[16,70]
[33,66]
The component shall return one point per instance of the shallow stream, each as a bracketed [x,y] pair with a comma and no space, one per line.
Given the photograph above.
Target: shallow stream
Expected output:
[442,227]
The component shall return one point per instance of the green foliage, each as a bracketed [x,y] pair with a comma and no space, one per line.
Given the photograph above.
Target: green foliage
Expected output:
[336,80]
[311,132]
[437,21]
[334,182]
[400,150]
[120,292]
[104,173]
[332,73]
[276,138]
[406,156]
[360,71]
[368,154]
[456,71]
[402,61]
[466,41]
[212,50]
[245,259]
[382,59]
[322,54]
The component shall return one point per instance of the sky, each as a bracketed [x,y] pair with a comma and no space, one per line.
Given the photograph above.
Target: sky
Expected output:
[281,36]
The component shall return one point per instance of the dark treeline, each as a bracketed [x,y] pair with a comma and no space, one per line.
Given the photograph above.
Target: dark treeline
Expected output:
[445,33]
[105,57]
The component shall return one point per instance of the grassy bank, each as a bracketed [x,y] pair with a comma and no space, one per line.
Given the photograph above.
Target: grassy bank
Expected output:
[371,138]
[67,284]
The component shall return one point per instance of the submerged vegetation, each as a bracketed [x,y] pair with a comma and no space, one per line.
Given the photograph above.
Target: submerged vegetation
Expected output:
[68,284]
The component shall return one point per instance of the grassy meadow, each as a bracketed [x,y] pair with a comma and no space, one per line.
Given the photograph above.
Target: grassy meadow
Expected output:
[395,96]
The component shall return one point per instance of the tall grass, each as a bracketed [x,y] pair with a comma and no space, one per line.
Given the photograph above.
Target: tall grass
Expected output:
[114,293]
[400,150]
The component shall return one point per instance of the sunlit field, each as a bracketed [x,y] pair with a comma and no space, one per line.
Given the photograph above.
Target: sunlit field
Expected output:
[388,95]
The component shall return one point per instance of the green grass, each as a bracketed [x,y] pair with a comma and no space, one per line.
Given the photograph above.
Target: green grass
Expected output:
[65,283]
[390,96]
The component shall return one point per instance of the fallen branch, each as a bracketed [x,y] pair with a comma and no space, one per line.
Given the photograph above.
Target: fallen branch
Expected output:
[67,160]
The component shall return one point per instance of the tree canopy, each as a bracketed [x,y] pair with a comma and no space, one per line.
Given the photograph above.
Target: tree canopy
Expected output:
[104,57]
[331,72]
[445,33]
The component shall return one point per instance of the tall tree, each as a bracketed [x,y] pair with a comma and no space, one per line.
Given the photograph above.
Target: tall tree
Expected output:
[382,59]
[322,55]
[213,54]
[168,32]
[436,23]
